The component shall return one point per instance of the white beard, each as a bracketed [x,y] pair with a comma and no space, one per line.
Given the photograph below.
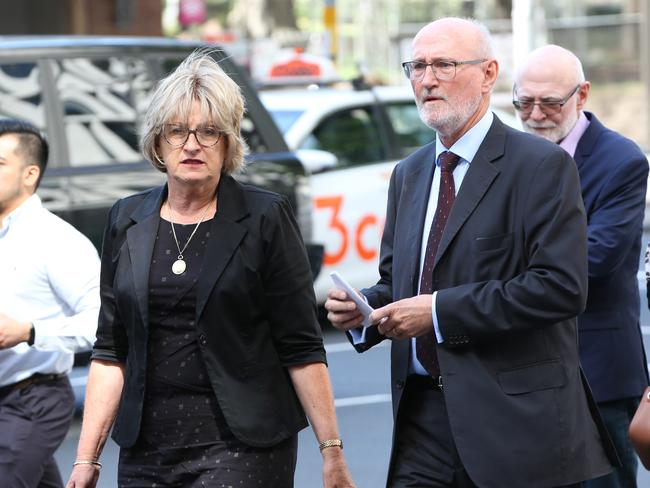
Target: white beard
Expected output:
[551,131]
[443,119]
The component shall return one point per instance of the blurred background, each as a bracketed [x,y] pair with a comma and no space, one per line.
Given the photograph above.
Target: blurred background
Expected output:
[347,39]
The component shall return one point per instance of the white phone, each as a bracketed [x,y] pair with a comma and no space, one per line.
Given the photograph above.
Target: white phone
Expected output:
[362,305]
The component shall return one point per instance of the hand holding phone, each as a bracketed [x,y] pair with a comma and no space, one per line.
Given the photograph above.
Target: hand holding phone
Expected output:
[361,303]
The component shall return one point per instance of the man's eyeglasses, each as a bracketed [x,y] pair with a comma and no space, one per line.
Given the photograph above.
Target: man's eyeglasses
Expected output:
[177,135]
[549,107]
[443,69]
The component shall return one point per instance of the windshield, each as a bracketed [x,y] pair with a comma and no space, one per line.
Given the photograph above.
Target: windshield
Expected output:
[285,118]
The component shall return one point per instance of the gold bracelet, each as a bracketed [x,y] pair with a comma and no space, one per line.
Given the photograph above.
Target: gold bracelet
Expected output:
[330,443]
[93,463]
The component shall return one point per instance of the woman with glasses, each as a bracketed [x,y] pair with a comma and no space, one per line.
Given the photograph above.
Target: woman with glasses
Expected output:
[209,357]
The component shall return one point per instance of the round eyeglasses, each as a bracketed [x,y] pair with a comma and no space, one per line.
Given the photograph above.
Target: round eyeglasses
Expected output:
[443,69]
[177,135]
[548,106]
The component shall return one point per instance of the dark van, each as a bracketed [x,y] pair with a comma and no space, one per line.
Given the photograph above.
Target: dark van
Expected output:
[88,95]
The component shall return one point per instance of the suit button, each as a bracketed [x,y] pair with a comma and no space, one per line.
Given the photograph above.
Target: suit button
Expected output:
[203,340]
[399,384]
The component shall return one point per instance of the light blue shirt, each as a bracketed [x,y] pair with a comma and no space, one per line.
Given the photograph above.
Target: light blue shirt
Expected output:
[466,148]
[49,276]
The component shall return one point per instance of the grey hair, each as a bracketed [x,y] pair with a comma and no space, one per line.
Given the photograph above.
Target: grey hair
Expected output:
[486,46]
[198,78]
[579,71]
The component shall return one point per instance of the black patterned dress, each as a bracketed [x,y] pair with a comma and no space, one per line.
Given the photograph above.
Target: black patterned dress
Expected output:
[184,439]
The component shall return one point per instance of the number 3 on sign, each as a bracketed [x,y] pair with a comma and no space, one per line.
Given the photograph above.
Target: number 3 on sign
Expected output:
[335,203]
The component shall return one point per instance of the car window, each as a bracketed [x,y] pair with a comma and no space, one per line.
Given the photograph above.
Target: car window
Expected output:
[411,132]
[20,93]
[285,118]
[351,135]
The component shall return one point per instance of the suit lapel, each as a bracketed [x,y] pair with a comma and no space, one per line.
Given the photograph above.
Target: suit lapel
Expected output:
[140,239]
[477,181]
[419,184]
[226,233]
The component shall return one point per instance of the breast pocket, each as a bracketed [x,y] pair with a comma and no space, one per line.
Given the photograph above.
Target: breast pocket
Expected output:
[501,242]
[492,256]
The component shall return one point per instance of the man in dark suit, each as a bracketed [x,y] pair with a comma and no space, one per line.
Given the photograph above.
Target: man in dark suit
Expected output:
[550,94]
[483,270]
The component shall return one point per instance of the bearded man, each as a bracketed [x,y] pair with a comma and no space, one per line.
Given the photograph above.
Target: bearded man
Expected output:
[549,95]
[483,271]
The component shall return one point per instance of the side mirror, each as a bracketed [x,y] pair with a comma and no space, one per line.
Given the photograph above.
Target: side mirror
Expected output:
[316,161]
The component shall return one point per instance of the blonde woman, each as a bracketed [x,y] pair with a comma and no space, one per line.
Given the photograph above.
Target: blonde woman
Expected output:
[208,352]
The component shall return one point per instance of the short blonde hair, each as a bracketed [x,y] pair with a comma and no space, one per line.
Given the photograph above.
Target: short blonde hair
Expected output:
[198,78]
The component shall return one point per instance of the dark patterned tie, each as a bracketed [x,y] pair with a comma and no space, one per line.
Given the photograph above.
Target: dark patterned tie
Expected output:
[425,346]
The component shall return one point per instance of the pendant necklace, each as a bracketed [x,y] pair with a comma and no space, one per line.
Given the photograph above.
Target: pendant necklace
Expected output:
[179,265]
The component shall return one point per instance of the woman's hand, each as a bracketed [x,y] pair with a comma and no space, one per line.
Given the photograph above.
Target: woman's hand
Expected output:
[83,476]
[335,470]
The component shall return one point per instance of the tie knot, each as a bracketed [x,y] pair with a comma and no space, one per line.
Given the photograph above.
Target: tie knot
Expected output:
[448,161]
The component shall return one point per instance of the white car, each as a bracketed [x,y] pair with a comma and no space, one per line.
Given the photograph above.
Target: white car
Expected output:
[368,132]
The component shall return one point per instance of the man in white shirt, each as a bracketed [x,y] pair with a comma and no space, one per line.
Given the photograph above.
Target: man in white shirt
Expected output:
[49,304]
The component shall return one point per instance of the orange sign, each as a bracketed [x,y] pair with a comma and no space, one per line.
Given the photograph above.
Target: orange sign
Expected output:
[295,67]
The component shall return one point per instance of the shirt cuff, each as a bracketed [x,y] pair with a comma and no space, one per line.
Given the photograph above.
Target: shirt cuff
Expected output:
[358,335]
[436,327]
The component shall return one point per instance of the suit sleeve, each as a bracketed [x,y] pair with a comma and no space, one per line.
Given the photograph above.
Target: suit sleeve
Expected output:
[552,284]
[617,216]
[289,290]
[111,343]
[382,293]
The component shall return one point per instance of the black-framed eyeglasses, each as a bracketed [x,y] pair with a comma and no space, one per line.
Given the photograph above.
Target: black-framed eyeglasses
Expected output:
[177,135]
[443,69]
[548,106]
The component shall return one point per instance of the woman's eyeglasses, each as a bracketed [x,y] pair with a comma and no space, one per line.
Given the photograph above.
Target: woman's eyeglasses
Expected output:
[177,135]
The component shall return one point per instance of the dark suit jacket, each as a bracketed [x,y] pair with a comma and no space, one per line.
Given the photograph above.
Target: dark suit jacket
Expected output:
[613,175]
[511,271]
[255,310]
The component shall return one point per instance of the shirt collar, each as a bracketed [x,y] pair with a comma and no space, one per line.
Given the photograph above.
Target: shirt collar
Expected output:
[570,142]
[467,146]
[32,203]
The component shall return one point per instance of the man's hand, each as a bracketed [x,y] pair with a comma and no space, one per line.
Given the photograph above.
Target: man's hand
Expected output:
[406,318]
[341,311]
[13,332]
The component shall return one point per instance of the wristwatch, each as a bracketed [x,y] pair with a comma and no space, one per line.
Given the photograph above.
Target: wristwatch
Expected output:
[32,335]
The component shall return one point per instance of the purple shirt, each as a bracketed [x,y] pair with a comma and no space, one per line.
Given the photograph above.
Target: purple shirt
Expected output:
[570,142]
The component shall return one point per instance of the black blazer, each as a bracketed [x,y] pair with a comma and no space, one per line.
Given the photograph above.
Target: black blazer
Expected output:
[255,310]
[613,175]
[511,271]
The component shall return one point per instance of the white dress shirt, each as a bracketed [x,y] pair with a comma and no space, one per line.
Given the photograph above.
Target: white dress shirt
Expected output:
[466,148]
[49,276]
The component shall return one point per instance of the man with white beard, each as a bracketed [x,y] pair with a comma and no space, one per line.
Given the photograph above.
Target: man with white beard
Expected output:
[550,93]
[483,270]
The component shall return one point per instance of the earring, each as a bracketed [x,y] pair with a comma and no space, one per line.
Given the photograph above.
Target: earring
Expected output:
[160,161]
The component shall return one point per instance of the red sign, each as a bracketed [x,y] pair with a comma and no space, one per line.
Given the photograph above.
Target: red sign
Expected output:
[295,67]
[192,12]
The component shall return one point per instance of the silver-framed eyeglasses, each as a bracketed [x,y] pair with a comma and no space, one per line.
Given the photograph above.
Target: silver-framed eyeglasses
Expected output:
[177,135]
[550,106]
[443,69]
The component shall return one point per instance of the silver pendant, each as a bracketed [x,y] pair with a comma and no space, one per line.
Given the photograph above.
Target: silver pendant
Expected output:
[178,267]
